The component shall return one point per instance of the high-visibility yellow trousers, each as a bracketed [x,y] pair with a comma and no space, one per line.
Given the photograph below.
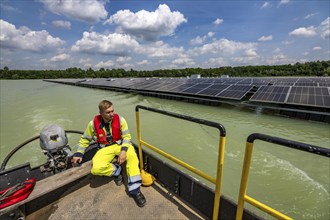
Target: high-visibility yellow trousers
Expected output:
[102,166]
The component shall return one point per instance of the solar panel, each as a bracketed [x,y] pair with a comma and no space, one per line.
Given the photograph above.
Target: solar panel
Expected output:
[196,88]
[283,83]
[235,91]
[276,94]
[147,86]
[304,91]
[155,85]
[92,81]
[213,90]
[169,86]
[326,84]
[122,82]
[182,87]
[305,84]
[258,84]
[246,81]
[312,96]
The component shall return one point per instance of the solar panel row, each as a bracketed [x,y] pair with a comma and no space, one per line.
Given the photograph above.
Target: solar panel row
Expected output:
[275,94]
[312,96]
[313,91]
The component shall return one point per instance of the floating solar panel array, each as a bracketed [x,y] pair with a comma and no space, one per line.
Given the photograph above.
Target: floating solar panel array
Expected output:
[311,96]
[275,94]
[303,91]
[235,91]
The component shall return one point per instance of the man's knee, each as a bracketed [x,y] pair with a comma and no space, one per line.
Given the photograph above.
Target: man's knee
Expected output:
[131,154]
[101,169]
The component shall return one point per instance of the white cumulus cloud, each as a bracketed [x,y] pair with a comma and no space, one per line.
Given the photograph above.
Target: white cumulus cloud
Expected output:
[143,62]
[183,61]
[160,50]
[224,47]
[9,8]
[277,50]
[250,52]
[265,5]
[60,57]
[83,10]
[200,40]
[304,32]
[218,21]
[62,24]
[325,28]
[148,25]
[106,64]
[23,38]
[210,34]
[310,15]
[283,2]
[265,38]
[123,60]
[112,44]
[197,40]
[322,30]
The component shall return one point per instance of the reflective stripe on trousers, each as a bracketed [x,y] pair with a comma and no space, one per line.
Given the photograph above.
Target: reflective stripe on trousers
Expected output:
[102,165]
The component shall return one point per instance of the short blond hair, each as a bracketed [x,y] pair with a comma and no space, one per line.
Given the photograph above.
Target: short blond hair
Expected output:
[104,104]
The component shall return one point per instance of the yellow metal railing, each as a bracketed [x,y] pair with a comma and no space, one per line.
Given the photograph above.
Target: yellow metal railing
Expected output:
[217,181]
[243,197]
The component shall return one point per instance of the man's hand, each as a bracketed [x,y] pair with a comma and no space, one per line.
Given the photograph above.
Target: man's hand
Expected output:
[122,157]
[76,159]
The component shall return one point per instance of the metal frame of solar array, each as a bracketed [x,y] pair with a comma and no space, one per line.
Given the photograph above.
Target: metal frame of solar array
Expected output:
[311,91]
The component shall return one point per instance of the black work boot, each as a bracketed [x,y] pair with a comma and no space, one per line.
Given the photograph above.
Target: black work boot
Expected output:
[119,180]
[139,199]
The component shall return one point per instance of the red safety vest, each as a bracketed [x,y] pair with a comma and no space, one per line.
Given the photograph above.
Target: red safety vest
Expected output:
[16,193]
[100,133]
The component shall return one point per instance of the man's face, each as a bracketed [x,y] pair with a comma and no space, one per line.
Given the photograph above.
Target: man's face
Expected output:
[107,114]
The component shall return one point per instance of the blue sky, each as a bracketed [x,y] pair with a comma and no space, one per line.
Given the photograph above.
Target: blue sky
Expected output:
[151,34]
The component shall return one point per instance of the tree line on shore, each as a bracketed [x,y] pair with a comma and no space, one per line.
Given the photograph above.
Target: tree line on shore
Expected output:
[315,68]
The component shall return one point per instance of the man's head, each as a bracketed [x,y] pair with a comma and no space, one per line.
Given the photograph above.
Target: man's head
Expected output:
[106,110]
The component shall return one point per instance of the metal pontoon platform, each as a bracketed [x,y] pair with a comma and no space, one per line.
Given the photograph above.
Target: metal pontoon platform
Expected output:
[96,197]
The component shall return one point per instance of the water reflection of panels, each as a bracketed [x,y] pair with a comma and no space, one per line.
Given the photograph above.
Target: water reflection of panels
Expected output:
[213,90]
[276,94]
[196,88]
[312,96]
[235,92]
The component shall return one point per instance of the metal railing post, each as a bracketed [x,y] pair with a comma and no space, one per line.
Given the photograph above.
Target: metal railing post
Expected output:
[222,141]
[217,194]
[243,197]
[139,137]
[244,180]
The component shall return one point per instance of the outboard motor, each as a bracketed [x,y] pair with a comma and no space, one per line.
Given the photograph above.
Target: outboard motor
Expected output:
[54,144]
